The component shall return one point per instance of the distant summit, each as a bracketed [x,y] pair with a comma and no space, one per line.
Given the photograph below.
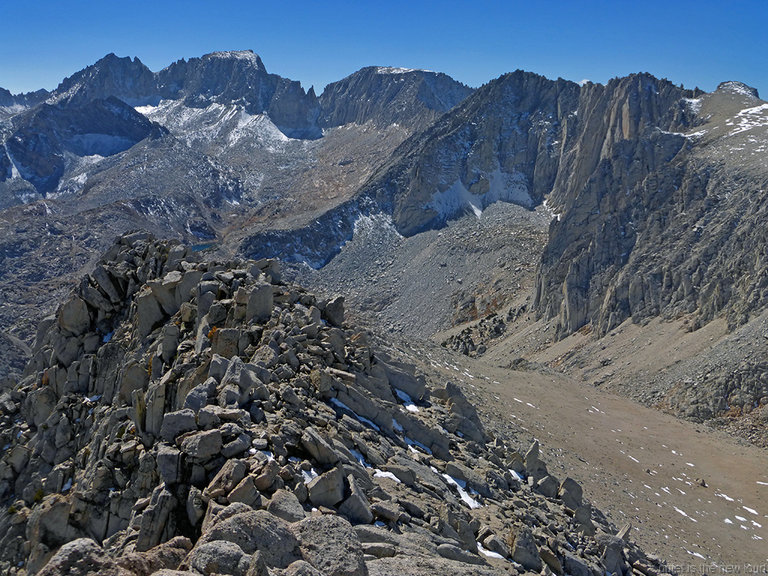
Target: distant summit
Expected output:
[385,95]
[738,88]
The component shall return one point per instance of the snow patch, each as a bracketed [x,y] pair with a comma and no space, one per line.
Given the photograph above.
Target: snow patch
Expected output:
[338,403]
[461,486]
[502,187]
[409,405]
[682,513]
[225,125]
[694,104]
[749,118]
[382,474]
[309,475]
[360,458]
[397,70]
[488,553]
[371,223]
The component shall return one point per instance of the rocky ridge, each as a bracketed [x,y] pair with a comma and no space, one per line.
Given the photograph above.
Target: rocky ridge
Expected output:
[189,417]
[386,96]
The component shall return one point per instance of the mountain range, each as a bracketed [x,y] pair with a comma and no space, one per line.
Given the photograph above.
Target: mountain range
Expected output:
[529,221]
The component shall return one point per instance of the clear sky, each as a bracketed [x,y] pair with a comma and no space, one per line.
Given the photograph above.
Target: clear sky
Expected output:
[697,43]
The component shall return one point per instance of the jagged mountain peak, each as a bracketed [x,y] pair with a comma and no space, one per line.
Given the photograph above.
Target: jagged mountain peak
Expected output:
[735,87]
[122,77]
[247,56]
[387,95]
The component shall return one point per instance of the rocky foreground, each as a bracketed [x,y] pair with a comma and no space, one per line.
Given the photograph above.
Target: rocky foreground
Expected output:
[190,417]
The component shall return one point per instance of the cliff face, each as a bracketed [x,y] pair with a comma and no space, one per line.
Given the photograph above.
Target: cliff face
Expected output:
[659,210]
[623,158]
[384,96]
[501,144]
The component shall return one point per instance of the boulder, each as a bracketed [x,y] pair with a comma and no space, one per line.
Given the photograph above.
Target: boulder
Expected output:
[334,311]
[318,448]
[219,557]
[547,486]
[82,557]
[286,505]
[356,507]
[148,313]
[154,518]
[570,493]
[229,476]
[302,568]
[523,549]
[202,445]
[327,489]
[330,544]
[260,304]
[451,552]
[177,423]
[246,493]
[257,530]
[168,462]
[74,317]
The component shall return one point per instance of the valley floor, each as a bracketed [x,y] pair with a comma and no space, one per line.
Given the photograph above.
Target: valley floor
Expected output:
[637,464]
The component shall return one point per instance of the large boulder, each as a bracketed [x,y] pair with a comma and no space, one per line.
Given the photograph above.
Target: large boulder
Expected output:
[74,317]
[257,530]
[82,557]
[327,489]
[331,545]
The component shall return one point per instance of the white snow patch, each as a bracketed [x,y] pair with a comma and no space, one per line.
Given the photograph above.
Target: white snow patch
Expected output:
[363,419]
[762,483]
[515,475]
[553,215]
[227,125]
[724,496]
[309,475]
[409,405]
[461,487]
[682,513]
[397,70]
[245,55]
[503,187]
[488,553]
[381,474]
[374,222]
[736,88]
[728,521]
[696,554]
[749,118]
[411,443]
[694,104]
[750,510]
[359,457]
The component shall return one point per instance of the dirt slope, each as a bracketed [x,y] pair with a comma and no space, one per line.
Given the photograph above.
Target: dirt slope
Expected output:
[636,463]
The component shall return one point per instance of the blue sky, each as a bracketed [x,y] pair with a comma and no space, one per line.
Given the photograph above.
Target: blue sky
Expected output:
[697,43]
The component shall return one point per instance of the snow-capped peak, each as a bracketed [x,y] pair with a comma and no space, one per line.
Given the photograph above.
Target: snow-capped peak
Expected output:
[735,87]
[245,55]
[392,70]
